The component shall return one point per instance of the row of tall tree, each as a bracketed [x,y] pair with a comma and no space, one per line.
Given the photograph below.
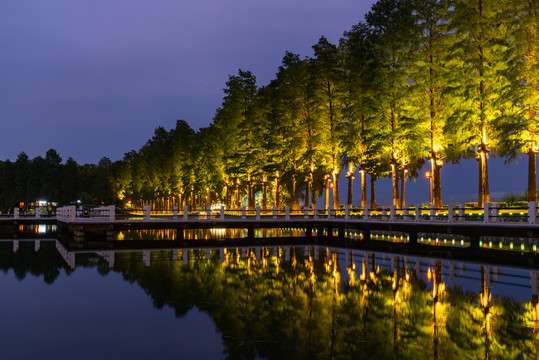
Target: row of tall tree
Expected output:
[416,81]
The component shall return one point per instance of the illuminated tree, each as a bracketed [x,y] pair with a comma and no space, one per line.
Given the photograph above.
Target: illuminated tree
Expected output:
[300,134]
[392,24]
[234,125]
[476,83]
[360,74]
[429,76]
[329,91]
[183,139]
[519,126]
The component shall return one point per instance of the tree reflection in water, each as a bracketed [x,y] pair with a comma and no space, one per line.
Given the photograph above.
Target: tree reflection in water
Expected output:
[289,303]
[320,303]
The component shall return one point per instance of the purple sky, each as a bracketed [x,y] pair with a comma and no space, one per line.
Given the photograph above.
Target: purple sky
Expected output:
[94,78]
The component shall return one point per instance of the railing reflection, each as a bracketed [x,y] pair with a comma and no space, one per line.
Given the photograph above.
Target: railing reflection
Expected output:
[431,306]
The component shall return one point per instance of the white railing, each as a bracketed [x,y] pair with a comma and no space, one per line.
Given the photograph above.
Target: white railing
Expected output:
[104,212]
[67,213]
[490,213]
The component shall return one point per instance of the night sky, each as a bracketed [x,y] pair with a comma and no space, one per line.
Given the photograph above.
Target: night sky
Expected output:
[94,78]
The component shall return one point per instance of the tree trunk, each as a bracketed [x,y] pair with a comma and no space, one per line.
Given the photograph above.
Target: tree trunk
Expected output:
[350,190]
[532,176]
[307,194]
[326,195]
[480,192]
[395,180]
[295,195]
[277,193]
[373,193]
[265,197]
[313,196]
[336,203]
[436,184]
[403,182]
[484,193]
[250,196]
[363,189]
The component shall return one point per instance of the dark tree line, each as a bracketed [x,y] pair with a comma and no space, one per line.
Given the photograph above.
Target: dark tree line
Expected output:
[48,179]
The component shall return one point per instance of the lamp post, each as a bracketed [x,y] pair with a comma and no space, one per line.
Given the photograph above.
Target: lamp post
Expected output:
[428,175]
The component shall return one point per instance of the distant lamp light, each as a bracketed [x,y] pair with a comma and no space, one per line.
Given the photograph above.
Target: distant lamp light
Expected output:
[427,174]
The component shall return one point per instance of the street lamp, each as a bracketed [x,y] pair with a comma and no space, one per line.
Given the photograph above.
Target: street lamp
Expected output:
[428,175]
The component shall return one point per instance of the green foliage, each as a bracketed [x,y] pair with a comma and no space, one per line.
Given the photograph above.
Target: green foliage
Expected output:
[513,199]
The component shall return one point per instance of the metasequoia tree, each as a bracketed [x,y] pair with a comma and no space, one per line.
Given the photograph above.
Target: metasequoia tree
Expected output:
[392,24]
[520,124]
[232,122]
[359,75]
[300,130]
[476,85]
[329,98]
[428,74]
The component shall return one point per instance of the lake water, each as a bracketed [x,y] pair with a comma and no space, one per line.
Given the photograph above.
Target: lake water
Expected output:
[309,302]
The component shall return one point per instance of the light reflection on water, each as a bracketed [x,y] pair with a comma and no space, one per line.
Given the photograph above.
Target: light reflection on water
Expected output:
[283,302]
[207,234]
[530,245]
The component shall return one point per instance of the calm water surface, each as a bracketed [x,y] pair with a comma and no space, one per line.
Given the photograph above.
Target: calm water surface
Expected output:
[246,303]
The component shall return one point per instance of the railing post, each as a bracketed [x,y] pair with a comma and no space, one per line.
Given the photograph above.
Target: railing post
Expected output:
[532,212]
[287,212]
[384,213]
[38,212]
[275,212]
[243,213]
[315,213]
[346,212]
[305,212]
[185,214]
[417,213]
[146,212]
[329,211]
[366,212]
[392,213]
[462,212]
[486,212]
[258,212]
[208,212]
[175,212]
[222,213]
[16,213]
[432,215]
[495,213]
[450,213]
[112,212]
[405,214]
